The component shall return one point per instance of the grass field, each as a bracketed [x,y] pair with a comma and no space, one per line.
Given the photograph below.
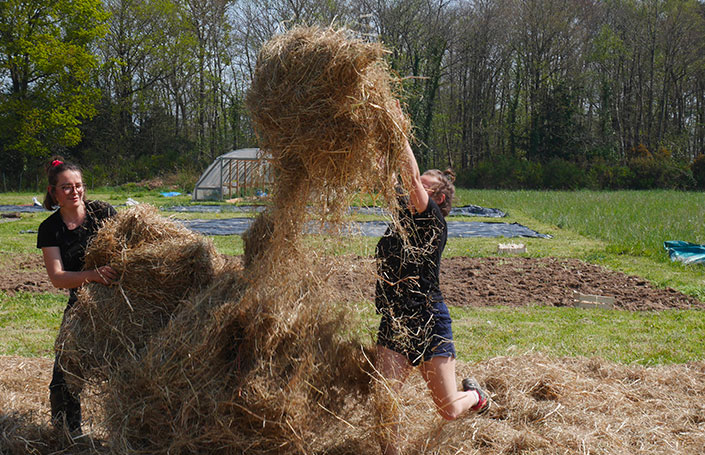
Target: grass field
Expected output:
[621,230]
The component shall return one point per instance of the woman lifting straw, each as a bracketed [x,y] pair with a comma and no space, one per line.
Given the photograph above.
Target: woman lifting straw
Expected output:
[63,238]
[415,329]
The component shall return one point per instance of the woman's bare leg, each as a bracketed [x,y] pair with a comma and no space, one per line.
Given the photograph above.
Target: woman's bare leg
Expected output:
[439,374]
[394,369]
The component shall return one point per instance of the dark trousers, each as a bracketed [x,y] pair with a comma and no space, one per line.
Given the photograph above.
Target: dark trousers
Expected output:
[65,406]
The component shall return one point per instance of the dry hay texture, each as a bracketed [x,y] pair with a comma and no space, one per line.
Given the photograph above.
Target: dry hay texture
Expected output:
[160,265]
[193,356]
[544,405]
[322,103]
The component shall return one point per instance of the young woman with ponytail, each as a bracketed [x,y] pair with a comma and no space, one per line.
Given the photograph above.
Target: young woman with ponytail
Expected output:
[63,238]
[415,328]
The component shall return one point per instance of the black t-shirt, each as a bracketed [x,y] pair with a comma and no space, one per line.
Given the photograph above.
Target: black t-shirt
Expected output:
[409,271]
[72,243]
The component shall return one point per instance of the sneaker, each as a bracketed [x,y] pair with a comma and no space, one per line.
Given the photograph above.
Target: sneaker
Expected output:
[484,403]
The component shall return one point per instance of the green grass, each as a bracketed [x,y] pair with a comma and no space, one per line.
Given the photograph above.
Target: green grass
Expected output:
[116,196]
[630,222]
[626,337]
[20,236]
[30,322]
[228,244]
[622,230]
[659,337]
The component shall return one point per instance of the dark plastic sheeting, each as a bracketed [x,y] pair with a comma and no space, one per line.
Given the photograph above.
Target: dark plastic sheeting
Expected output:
[214,208]
[467,210]
[22,208]
[476,210]
[237,226]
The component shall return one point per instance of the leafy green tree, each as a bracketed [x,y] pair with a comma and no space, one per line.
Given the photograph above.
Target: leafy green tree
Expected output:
[45,66]
[697,167]
[556,134]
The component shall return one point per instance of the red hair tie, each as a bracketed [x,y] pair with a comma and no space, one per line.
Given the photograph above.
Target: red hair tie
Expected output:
[56,163]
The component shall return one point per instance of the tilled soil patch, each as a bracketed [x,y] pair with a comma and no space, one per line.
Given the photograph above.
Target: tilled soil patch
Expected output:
[520,281]
[474,282]
[25,273]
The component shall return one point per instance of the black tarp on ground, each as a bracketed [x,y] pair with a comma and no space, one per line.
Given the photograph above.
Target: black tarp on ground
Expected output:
[476,210]
[237,226]
[214,208]
[22,208]
[232,226]
[466,210]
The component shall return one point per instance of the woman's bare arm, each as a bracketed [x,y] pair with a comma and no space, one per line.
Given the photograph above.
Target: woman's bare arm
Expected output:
[412,180]
[63,279]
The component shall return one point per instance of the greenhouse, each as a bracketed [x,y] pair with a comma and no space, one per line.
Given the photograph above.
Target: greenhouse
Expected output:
[242,172]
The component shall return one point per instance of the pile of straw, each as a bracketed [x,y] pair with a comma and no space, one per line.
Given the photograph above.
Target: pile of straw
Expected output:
[242,367]
[190,356]
[542,405]
[322,103]
[160,263]
[198,358]
[545,405]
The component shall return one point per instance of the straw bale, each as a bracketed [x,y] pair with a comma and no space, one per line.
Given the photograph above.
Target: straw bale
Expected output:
[322,103]
[190,356]
[244,366]
[159,263]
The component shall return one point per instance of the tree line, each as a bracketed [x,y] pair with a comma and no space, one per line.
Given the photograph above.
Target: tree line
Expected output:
[510,93]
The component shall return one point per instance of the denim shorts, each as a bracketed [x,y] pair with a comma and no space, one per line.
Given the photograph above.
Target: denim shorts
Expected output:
[420,334]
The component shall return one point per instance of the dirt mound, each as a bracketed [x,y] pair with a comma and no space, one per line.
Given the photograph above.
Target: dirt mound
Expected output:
[25,273]
[550,281]
[477,282]
[519,281]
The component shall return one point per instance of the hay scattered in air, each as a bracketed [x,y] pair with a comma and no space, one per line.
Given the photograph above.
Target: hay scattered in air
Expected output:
[323,104]
[195,357]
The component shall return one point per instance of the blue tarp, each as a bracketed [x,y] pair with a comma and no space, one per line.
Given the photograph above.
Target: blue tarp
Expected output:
[686,252]
[230,226]
[170,193]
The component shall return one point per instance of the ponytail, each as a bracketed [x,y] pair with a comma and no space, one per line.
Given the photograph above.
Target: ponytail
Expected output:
[445,186]
[55,167]
[449,175]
